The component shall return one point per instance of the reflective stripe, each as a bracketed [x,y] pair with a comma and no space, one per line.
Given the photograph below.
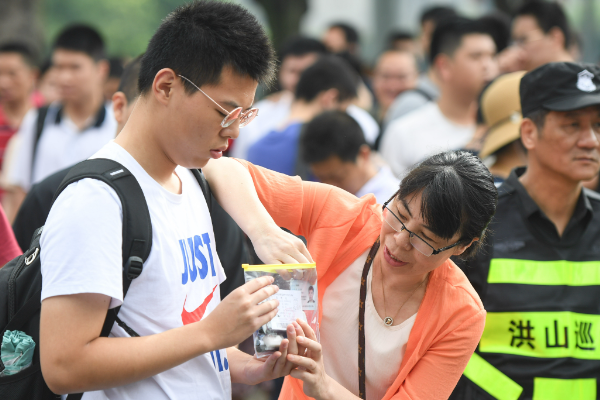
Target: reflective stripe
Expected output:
[562,389]
[542,334]
[527,272]
[492,380]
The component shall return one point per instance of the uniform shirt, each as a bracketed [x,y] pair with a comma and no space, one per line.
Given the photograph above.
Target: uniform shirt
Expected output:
[61,144]
[542,294]
[179,285]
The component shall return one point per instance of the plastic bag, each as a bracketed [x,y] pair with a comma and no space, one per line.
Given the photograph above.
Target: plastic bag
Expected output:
[16,352]
[298,298]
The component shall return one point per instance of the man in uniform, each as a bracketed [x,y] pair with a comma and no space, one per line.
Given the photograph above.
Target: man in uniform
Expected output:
[539,276]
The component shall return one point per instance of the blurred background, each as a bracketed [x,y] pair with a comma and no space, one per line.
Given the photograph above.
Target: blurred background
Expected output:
[127,25]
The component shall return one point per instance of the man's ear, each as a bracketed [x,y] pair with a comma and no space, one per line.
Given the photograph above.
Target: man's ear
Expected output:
[458,250]
[119,104]
[529,133]
[442,66]
[558,37]
[103,69]
[364,154]
[329,99]
[164,82]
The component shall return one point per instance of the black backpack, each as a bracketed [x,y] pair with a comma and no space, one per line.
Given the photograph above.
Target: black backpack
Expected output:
[21,278]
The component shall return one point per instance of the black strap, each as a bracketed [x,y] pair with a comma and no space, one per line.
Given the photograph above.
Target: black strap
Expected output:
[39,128]
[137,226]
[204,186]
[362,374]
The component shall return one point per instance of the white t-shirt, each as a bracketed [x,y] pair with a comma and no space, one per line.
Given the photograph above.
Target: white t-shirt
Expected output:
[383,185]
[385,345]
[422,133]
[81,253]
[61,145]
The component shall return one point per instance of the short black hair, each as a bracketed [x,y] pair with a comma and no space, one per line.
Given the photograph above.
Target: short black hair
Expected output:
[448,35]
[329,72]
[538,117]
[311,288]
[199,39]
[350,33]
[437,14]
[300,45]
[115,67]
[26,53]
[129,79]
[548,15]
[81,38]
[400,35]
[332,133]
[458,195]
[498,26]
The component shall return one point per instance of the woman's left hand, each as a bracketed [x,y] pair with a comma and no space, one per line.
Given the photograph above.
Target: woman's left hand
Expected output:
[317,383]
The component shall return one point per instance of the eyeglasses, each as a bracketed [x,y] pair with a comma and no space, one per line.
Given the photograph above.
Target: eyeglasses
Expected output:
[415,240]
[230,117]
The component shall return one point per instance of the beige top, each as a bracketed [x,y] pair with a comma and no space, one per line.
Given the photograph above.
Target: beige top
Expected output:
[385,345]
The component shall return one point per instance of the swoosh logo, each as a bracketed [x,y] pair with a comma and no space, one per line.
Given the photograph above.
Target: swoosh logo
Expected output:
[196,315]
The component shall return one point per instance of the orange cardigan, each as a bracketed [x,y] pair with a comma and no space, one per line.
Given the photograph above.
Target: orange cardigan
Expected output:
[339,228]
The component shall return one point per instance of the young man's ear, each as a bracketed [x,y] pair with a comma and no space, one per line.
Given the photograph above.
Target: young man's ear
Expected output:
[529,133]
[442,66]
[558,37]
[329,99]
[119,104]
[164,82]
[364,153]
[103,69]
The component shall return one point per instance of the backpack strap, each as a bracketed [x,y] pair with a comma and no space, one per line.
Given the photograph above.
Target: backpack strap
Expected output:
[205,188]
[39,128]
[137,226]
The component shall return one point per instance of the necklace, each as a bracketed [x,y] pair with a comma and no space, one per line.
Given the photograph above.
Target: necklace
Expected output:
[389,321]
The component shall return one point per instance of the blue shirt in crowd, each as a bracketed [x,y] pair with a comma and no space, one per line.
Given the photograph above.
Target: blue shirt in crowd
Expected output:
[278,150]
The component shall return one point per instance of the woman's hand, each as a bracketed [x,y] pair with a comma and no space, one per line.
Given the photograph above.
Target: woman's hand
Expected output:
[276,365]
[317,383]
[273,245]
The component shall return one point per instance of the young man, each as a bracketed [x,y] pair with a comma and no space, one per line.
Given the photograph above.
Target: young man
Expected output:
[297,54]
[76,127]
[197,83]
[17,81]
[342,38]
[327,85]
[335,149]
[35,208]
[427,86]
[537,277]
[542,34]
[462,55]
[395,72]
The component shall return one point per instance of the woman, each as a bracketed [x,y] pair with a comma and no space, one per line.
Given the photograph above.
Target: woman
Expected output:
[386,282]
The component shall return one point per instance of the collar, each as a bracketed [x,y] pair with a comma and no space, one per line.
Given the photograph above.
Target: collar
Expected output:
[99,118]
[530,207]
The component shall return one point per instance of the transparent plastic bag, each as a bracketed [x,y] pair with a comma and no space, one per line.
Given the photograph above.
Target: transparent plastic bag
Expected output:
[298,298]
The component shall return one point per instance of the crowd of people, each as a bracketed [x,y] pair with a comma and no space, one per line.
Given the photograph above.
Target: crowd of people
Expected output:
[455,241]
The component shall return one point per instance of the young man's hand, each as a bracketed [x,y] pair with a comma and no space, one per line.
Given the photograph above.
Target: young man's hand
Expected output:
[273,245]
[240,313]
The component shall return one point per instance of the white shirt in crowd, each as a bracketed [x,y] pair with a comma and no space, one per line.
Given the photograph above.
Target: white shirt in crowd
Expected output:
[274,114]
[61,145]
[420,134]
[383,185]
[180,282]
[385,345]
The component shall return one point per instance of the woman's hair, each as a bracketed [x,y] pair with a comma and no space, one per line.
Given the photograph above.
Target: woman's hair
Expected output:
[458,195]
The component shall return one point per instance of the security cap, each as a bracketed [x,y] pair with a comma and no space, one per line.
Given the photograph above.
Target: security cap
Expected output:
[560,86]
[501,110]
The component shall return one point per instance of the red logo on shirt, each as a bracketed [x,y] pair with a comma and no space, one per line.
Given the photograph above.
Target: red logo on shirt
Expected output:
[196,315]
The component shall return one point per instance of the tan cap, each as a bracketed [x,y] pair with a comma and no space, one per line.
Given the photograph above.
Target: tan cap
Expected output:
[501,110]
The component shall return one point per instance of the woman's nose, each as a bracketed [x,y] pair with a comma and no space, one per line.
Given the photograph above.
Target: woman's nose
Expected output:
[402,238]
